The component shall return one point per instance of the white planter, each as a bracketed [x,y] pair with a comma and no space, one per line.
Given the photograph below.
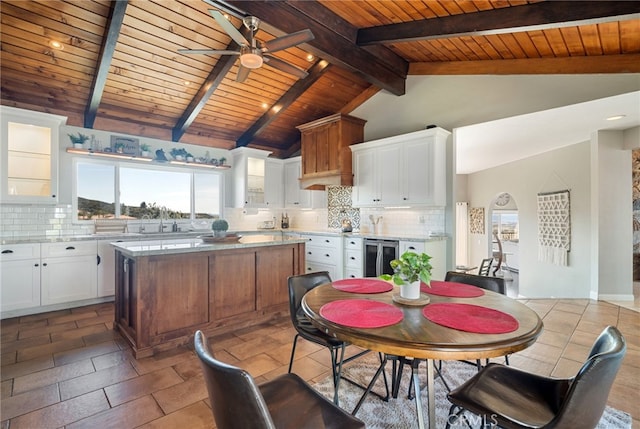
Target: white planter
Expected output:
[410,290]
[78,146]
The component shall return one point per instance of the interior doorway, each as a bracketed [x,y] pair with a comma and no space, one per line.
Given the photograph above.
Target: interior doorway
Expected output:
[504,245]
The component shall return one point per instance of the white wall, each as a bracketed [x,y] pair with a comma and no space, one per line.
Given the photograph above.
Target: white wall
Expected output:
[566,168]
[611,216]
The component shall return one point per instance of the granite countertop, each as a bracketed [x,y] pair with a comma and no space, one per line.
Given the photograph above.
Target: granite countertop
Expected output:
[162,236]
[169,246]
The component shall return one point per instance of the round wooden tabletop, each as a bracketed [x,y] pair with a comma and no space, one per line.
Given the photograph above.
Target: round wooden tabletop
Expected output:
[415,336]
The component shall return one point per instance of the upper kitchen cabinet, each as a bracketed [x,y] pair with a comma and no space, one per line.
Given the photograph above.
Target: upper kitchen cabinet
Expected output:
[326,157]
[294,195]
[29,156]
[406,170]
[257,181]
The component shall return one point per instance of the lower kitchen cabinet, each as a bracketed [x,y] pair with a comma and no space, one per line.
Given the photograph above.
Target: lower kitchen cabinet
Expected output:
[353,257]
[437,249]
[106,269]
[69,272]
[20,276]
[324,253]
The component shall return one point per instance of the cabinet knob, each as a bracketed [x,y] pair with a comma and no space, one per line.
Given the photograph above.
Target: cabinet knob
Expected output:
[327,255]
[36,265]
[44,264]
[53,196]
[352,258]
[411,248]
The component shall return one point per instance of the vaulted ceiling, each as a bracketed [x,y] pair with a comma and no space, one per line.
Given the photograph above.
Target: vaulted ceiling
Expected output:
[119,68]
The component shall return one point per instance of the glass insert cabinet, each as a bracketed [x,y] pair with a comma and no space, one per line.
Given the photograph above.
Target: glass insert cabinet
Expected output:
[29,156]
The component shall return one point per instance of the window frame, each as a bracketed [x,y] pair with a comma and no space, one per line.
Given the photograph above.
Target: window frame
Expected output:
[146,166]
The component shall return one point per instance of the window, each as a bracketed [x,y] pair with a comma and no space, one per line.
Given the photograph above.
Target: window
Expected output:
[505,224]
[105,190]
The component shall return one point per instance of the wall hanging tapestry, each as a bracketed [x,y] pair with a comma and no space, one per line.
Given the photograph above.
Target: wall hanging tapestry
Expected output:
[554,227]
[476,220]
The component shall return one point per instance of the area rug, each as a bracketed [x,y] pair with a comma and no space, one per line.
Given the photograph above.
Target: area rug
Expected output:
[400,413]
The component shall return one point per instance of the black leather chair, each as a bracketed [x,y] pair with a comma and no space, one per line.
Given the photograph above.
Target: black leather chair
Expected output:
[286,402]
[485,267]
[298,286]
[495,284]
[515,399]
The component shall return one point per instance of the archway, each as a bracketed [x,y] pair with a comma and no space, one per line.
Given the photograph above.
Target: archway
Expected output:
[504,242]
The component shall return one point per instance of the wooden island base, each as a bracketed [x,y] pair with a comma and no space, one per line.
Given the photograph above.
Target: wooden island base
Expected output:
[161,300]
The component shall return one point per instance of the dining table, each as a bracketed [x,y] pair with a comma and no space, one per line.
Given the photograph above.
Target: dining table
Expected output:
[450,321]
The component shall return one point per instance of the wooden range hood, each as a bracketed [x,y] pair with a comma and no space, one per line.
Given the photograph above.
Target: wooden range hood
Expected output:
[326,157]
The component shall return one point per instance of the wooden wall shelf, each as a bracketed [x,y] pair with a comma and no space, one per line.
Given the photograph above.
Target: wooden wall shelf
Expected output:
[128,157]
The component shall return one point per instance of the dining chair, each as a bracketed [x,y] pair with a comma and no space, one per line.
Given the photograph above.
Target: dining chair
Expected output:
[286,402]
[515,399]
[299,285]
[495,284]
[485,267]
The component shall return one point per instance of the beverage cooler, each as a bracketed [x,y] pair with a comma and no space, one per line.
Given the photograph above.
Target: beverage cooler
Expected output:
[378,255]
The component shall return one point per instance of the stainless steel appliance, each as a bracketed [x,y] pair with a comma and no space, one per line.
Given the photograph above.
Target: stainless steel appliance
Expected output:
[378,255]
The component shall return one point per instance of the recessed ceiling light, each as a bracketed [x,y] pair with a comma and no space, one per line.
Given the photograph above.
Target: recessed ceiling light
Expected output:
[616,117]
[56,45]
[265,106]
[310,57]
[187,83]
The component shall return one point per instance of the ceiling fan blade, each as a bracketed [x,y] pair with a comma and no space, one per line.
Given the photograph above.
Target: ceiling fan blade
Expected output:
[285,67]
[229,28]
[207,51]
[243,73]
[289,40]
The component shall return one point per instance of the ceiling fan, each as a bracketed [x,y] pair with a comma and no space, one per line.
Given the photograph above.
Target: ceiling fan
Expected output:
[253,52]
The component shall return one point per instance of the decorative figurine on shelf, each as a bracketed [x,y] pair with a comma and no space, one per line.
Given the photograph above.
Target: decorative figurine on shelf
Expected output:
[160,156]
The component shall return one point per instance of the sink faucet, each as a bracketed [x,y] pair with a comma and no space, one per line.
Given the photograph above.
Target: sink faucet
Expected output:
[142,228]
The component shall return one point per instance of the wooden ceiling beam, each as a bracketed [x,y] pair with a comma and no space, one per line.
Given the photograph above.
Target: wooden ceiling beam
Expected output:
[206,90]
[289,97]
[329,44]
[114,23]
[626,63]
[537,16]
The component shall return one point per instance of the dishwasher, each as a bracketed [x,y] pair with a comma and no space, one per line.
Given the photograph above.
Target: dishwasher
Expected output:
[378,255]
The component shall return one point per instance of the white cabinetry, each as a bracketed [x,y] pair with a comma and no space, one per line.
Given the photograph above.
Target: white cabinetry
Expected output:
[20,276]
[69,271]
[353,257]
[406,170]
[257,181]
[437,249]
[106,269]
[324,253]
[294,196]
[29,156]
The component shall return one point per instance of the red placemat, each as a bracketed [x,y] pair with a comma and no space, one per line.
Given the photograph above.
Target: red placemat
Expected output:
[361,313]
[470,318]
[452,289]
[362,285]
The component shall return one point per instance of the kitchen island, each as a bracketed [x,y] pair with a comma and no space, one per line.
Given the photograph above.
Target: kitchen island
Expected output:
[167,289]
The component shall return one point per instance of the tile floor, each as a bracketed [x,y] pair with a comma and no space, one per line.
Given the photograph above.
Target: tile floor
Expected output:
[69,369]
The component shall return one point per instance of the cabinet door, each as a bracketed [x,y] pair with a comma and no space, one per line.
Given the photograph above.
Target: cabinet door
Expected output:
[106,269]
[365,189]
[273,267]
[233,277]
[20,284]
[29,170]
[294,197]
[273,192]
[389,168]
[418,185]
[308,151]
[69,279]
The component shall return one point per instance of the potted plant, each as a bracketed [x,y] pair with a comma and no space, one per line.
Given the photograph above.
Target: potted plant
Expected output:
[178,154]
[219,227]
[189,157]
[145,148]
[408,271]
[222,160]
[78,141]
[119,147]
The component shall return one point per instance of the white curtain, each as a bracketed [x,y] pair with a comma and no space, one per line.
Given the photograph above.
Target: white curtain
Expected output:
[462,234]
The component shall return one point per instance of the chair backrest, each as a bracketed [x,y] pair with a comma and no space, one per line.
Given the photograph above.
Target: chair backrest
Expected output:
[236,401]
[485,266]
[495,284]
[298,286]
[587,396]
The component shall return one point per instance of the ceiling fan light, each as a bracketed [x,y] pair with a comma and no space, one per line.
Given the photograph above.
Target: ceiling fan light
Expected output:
[251,60]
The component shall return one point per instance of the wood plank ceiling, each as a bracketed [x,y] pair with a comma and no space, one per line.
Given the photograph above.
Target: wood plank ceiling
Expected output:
[120,70]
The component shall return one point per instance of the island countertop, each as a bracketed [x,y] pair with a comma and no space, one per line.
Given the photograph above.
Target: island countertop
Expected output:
[187,245]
